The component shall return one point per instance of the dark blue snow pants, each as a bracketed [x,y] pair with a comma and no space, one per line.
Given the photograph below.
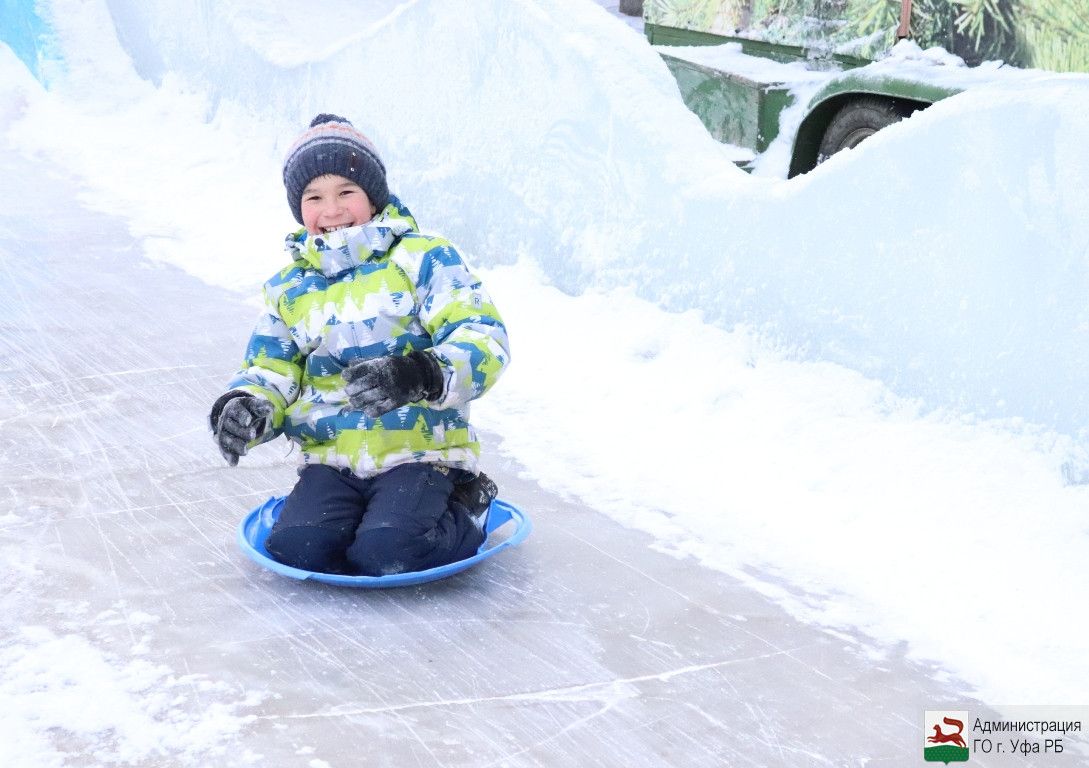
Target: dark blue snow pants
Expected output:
[398,521]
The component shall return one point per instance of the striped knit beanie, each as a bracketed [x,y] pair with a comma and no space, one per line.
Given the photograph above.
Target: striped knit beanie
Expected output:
[333,145]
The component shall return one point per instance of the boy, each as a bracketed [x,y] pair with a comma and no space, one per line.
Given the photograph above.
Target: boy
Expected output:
[371,345]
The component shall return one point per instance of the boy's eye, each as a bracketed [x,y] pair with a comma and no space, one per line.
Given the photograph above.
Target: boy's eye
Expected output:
[347,192]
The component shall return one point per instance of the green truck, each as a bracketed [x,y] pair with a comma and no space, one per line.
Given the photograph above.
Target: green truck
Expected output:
[813,77]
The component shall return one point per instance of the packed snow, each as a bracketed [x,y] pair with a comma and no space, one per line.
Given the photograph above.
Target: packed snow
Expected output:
[865,391]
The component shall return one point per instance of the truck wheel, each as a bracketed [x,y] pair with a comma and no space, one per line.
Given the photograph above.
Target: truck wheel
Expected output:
[631,7]
[858,120]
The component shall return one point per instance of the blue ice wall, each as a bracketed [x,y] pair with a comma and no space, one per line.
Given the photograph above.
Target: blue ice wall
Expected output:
[23,30]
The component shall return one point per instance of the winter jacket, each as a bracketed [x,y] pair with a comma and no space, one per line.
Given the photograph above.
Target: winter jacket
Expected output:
[381,288]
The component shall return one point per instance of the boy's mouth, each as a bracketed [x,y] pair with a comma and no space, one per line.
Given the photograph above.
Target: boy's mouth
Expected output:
[327,230]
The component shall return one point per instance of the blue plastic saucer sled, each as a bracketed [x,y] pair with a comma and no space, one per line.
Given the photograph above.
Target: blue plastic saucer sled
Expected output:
[255,527]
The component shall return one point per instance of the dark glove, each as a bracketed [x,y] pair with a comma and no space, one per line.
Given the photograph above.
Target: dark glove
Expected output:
[382,384]
[238,419]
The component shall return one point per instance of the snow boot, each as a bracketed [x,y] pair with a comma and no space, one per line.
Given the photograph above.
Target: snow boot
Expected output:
[476,495]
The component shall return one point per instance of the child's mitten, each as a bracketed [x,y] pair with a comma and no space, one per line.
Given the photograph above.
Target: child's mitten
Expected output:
[382,384]
[238,419]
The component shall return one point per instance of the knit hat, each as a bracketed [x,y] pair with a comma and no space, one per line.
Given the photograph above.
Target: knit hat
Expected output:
[333,145]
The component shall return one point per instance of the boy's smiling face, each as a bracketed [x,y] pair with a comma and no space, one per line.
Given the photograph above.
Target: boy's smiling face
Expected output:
[333,202]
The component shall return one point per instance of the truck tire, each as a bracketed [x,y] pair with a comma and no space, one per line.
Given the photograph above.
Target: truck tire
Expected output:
[857,120]
[631,7]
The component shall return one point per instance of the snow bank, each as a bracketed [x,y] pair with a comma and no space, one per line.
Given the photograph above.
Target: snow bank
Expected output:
[112,712]
[950,259]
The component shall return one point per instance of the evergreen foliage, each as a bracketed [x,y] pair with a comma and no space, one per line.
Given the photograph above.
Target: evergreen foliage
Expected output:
[1055,34]
[1049,34]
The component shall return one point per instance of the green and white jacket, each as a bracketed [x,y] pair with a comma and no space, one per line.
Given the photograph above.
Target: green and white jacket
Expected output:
[381,288]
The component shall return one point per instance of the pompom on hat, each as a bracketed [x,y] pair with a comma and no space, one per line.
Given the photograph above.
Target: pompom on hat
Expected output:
[333,145]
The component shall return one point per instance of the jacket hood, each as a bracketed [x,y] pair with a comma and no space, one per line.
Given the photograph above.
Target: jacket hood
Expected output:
[346,249]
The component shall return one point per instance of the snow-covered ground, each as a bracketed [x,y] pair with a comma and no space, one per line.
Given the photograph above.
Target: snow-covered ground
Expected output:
[864,391]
